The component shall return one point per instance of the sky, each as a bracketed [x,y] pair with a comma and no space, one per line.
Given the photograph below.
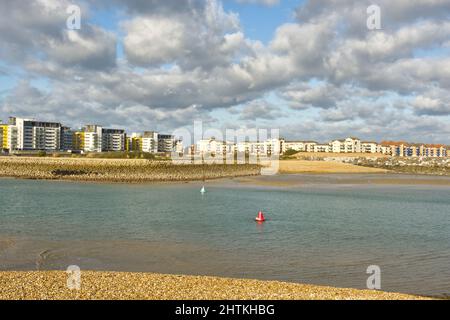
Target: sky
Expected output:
[312,68]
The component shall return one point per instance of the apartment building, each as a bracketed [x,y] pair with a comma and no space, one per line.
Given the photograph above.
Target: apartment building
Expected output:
[418,150]
[166,143]
[3,137]
[349,145]
[300,146]
[146,142]
[95,138]
[213,147]
[92,138]
[134,142]
[149,142]
[322,148]
[113,140]
[273,146]
[66,138]
[370,147]
[78,140]
[29,134]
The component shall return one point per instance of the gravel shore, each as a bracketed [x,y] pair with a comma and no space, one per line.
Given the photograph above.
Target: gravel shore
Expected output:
[118,170]
[124,285]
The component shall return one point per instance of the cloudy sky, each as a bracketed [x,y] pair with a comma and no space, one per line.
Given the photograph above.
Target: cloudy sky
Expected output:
[311,68]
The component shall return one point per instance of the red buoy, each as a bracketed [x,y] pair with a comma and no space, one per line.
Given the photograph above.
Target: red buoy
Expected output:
[260,217]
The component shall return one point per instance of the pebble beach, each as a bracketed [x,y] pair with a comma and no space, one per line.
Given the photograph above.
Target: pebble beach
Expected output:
[118,170]
[52,285]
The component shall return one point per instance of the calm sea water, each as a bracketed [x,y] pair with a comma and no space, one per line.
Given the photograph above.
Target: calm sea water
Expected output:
[323,234]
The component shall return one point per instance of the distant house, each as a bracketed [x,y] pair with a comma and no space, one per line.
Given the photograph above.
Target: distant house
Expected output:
[370,147]
[349,145]
[322,148]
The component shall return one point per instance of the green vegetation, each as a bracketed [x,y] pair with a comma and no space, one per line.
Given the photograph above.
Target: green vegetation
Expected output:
[289,154]
[123,155]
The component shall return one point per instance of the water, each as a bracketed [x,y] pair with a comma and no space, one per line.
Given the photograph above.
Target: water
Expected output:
[323,233]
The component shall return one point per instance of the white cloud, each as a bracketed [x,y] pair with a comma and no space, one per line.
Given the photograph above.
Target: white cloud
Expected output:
[264,2]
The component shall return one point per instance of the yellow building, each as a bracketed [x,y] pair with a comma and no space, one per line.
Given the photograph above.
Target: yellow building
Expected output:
[4,137]
[134,143]
[78,140]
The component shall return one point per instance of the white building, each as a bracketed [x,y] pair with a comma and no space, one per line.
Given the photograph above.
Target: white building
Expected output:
[370,147]
[349,145]
[150,142]
[214,147]
[179,147]
[301,146]
[98,139]
[273,147]
[385,149]
[92,138]
[29,134]
[322,148]
[294,145]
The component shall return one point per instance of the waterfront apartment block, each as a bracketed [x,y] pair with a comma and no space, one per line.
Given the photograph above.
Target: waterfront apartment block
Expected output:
[95,138]
[113,140]
[29,134]
[134,142]
[322,148]
[370,147]
[216,147]
[355,145]
[166,143]
[213,147]
[349,145]
[152,142]
[300,146]
[418,150]
[67,137]
[5,135]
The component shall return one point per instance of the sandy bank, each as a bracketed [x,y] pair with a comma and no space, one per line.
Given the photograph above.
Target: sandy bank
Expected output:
[304,166]
[121,285]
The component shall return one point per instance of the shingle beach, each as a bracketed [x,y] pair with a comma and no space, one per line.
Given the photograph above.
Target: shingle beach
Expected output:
[123,285]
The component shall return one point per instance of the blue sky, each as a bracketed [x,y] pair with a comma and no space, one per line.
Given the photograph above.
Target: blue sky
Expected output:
[260,21]
[310,68]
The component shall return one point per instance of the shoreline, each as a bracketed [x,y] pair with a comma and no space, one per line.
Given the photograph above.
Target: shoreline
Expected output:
[98,285]
[281,180]
[119,170]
